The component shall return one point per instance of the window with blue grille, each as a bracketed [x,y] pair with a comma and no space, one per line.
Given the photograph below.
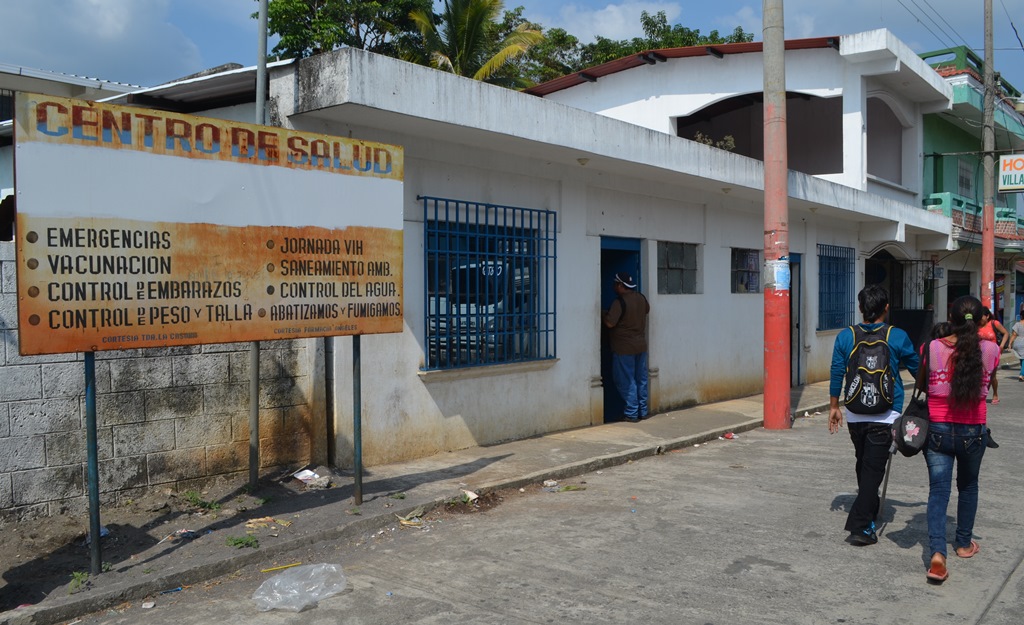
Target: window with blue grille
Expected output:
[836,272]
[490,283]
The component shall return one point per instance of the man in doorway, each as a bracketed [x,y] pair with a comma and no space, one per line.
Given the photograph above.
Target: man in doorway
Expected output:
[869,356]
[626,321]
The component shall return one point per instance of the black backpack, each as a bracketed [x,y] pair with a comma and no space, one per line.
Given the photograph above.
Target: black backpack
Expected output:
[870,380]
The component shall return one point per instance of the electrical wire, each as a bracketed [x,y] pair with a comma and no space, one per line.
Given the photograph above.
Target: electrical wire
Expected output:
[951,39]
[913,15]
[1012,25]
[939,13]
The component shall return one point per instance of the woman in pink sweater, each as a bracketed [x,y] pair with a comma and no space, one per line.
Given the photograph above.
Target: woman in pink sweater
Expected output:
[959,369]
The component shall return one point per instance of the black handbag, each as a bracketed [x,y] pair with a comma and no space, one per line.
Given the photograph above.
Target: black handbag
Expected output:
[910,430]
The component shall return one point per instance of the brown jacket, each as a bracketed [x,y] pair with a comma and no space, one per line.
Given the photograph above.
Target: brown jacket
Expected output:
[628,331]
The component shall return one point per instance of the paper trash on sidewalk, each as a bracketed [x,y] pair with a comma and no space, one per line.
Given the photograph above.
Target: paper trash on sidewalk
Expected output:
[305,475]
[104,532]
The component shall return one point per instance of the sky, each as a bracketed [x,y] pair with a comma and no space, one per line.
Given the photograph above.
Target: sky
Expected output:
[148,42]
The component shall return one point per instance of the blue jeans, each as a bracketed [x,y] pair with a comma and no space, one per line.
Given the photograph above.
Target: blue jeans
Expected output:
[629,372]
[966,445]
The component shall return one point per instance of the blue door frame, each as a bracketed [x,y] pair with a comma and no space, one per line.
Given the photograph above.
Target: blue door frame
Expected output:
[795,343]
[617,254]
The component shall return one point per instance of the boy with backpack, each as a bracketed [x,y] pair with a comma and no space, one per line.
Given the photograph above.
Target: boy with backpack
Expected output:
[866,362]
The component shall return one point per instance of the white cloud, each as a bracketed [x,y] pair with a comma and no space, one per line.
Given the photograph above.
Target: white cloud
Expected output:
[586,19]
[614,21]
[122,40]
[746,17]
[106,19]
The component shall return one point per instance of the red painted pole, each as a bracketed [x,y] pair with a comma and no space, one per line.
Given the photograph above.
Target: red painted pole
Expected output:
[776,224]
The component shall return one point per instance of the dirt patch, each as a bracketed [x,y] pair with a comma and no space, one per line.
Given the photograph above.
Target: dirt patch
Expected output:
[491,500]
[482,503]
[52,554]
[49,557]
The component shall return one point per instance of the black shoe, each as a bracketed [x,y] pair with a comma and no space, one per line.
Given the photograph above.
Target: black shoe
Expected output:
[864,537]
[631,419]
[989,442]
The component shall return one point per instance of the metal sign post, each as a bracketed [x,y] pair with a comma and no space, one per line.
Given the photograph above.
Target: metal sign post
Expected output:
[357,419]
[92,464]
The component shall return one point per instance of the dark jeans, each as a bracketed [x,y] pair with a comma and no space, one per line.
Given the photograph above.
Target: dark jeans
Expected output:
[871,443]
[964,444]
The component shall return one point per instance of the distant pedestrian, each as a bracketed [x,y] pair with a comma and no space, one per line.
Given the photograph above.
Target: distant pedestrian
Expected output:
[868,357]
[987,331]
[939,330]
[626,320]
[1017,343]
[959,368]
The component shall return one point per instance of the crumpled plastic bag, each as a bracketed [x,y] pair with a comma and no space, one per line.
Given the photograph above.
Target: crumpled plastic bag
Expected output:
[299,588]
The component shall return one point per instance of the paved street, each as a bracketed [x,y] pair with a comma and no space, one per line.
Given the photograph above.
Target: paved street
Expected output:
[731,532]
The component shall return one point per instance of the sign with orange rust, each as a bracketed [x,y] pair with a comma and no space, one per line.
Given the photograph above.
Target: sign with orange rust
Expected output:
[140,228]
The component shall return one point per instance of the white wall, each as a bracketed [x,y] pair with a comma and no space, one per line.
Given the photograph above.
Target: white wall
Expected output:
[651,95]
[626,182]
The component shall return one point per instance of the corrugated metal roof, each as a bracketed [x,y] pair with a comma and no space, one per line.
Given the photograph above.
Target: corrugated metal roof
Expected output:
[650,57]
[70,79]
[199,93]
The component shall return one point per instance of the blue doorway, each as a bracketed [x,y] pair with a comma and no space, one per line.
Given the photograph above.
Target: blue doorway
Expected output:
[617,254]
[796,350]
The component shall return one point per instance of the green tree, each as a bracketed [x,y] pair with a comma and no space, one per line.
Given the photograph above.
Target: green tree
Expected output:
[312,26]
[559,54]
[466,39]
[657,34]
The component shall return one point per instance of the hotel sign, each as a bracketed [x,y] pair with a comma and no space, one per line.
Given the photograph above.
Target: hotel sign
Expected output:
[142,228]
[1010,174]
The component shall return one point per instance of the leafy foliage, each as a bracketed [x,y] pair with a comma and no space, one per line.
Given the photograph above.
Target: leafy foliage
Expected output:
[240,542]
[728,142]
[195,499]
[472,38]
[309,27]
[657,34]
[466,39]
[561,53]
[79,581]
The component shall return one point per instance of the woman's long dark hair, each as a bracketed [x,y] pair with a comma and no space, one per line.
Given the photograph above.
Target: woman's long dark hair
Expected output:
[965,315]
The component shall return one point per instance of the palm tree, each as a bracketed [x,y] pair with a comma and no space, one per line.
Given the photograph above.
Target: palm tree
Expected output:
[468,40]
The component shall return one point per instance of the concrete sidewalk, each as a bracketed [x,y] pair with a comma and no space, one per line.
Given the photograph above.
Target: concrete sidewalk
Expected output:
[428,482]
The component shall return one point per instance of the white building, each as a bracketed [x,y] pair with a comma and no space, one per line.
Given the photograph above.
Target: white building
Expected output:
[626,192]
[560,192]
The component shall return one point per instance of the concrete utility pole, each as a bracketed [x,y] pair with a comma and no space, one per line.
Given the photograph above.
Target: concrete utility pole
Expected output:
[776,224]
[988,145]
[254,346]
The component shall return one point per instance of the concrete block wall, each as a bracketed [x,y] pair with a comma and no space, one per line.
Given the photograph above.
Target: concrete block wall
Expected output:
[1006,228]
[165,417]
